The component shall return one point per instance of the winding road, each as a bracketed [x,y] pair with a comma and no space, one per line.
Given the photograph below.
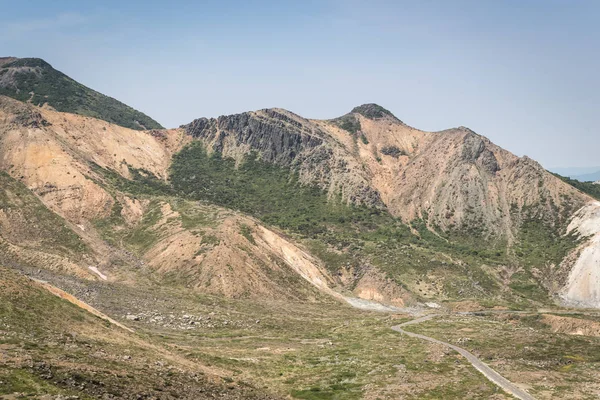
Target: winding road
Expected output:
[489,373]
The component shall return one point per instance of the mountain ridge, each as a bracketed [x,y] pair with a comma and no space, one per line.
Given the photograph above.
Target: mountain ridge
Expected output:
[36,81]
[245,237]
[454,185]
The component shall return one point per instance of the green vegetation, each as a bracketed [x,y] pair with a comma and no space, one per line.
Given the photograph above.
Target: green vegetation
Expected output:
[35,81]
[586,187]
[348,123]
[52,347]
[263,190]
[457,264]
[372,111]
[392,151]
[30,221]
[142,182]
[246,231]
[568,362]
[308,351]
[539,243]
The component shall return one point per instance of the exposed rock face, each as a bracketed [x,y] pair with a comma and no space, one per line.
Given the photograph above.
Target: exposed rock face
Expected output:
[285,139]
[49,152]
[278,136]
[583,286]
[454,178]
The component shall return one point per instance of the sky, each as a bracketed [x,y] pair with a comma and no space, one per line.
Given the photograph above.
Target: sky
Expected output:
[524,73]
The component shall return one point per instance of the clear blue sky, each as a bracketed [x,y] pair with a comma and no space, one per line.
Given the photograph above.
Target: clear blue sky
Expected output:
[524,73]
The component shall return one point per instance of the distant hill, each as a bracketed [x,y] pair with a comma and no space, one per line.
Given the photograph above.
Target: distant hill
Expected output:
[593,177]
[33,80]
[589,174]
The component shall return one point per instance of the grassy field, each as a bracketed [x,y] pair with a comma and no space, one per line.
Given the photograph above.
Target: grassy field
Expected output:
[298,349]
[49,346]
[527,350]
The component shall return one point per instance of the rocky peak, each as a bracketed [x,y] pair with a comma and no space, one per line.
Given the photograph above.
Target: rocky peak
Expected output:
[373,111]
[277,135]
[7,60]
[14,62]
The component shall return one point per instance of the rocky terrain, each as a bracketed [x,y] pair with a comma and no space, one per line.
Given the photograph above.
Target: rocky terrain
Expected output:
[453,179]
[250,236]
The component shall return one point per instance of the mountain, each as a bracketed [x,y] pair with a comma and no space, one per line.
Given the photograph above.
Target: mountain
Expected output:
[452,201]
[453,180]
[590,188]
[35,81]
[583,174]
[225,254]
[593,177]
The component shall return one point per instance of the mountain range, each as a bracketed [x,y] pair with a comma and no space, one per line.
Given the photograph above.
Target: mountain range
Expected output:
[101,202]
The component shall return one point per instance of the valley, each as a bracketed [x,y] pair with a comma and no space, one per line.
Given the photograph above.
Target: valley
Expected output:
[266,255]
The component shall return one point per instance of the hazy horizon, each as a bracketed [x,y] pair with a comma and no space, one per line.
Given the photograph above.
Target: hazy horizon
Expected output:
[523,75]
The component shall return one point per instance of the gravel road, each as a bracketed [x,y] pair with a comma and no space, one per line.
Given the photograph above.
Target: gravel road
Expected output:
[489,373]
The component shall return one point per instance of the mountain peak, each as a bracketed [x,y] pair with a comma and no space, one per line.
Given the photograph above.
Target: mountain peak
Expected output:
[35,81]
[23,62]
[7,60]
[372,111]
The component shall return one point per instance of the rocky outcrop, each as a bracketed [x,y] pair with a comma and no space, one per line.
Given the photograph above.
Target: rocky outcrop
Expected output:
[288,140]
[583,286]
[279,137]
[455,179]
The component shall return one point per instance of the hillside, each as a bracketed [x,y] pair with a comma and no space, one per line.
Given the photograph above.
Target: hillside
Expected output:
[35,81]
[369,190]
[105,359]
[590,188]
[454,180]
[477,230]
[234,247]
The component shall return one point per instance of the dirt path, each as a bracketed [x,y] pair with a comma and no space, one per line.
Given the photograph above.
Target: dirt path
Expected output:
[489,373]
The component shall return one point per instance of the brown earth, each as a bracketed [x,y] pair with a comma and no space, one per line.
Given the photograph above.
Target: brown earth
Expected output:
[572,326]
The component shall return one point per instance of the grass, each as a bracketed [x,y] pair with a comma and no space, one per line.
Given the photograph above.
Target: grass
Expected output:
[50,346]
[521,347]
[31,222]
[308,351]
